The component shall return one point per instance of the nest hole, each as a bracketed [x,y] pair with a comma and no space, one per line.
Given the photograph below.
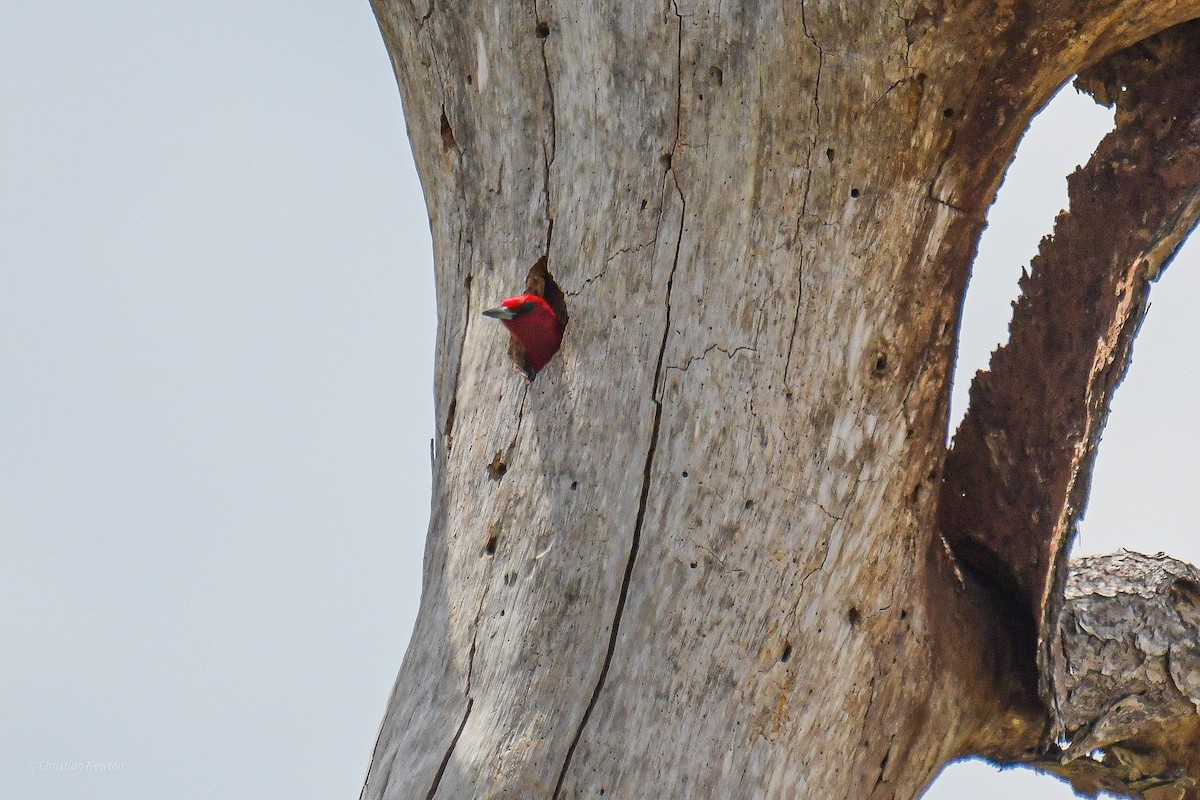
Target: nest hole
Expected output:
[542,283]
[498,467]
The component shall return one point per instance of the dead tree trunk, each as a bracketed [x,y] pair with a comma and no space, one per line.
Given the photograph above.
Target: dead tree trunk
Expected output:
[712,550]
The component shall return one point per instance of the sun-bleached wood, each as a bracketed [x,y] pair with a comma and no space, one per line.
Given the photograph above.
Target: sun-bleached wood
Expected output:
[699,556]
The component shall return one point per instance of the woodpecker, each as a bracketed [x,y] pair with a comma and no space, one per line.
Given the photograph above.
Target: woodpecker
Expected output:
[534,327]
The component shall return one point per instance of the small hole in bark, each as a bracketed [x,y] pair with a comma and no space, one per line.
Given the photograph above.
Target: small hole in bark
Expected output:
[502,612]
[787,652]
[881,365]
[948,113]
[448,140]
[574,485]
[692,565]
[717,75]
[665,160]
[829,154]
[853,616]
[643,207]
[684,473]
[470,80]
[497,468]
[490,547]
[749,504]
[904,613]
[542,30]
[854,192]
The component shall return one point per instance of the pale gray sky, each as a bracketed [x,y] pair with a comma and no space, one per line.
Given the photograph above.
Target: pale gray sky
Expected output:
[216,337]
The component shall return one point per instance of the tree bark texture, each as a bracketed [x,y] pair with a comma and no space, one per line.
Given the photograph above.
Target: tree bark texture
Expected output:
[700,554]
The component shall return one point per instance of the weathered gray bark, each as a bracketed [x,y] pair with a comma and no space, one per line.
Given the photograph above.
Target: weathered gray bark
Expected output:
[700,556]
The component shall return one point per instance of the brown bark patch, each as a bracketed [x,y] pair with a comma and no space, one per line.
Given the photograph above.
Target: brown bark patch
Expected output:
[1017,476]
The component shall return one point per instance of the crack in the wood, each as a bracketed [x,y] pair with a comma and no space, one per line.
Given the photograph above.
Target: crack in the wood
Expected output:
[826,511]
[424,17]
[588,281]
[437,779]
[547,158]
[451,411]
[820,62]
[812,148]
[717,558]
[387,771]
[728,353]
[639,520]
[648,467]
[862,731]
[448,423]
[888,91]
[937,176]
[816,103]
[475,632]
[883,764]
[517,431]
[547,162]
[678,91]
[787,364]
[475,637]
[809,573]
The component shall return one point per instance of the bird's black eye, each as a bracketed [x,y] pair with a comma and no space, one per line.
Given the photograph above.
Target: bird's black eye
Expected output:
[525,308]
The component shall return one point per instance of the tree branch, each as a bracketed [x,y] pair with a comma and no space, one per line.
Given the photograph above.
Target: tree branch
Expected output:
[1017,475]
[1126,668]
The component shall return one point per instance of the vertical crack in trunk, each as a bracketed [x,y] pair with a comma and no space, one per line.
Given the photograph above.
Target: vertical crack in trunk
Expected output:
[474,638]
[647,471]
[543,33]
[437,779]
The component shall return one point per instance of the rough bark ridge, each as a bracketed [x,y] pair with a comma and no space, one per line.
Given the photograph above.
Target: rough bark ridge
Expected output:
[700,552]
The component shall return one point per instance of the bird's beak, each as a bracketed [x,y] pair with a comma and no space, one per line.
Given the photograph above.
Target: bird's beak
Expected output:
[500,312]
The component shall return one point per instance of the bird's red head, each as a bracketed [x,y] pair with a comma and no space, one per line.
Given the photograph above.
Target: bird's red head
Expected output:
[533,323]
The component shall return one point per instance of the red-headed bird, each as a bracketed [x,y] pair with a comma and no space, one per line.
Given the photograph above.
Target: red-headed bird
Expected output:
[534,325]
